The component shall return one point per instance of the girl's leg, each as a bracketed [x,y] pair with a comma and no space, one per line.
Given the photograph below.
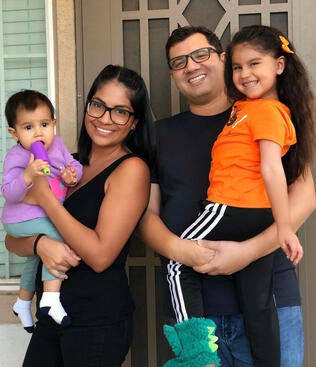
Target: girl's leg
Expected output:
[255,293]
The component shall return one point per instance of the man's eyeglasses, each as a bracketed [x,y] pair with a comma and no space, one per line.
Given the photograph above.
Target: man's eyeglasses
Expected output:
[198,56]
[118,115]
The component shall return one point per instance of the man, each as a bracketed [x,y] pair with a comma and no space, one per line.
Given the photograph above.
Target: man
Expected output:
[184,143]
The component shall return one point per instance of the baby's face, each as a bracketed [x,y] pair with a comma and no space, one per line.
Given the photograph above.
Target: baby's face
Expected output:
[31,126]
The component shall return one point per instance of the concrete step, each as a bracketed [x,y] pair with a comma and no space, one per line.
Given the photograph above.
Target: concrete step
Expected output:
[13,338]
[9,289]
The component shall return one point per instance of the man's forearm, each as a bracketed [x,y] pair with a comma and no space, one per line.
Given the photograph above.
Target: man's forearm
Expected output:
[157,236]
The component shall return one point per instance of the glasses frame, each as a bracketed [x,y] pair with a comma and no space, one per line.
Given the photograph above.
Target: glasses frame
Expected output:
[191,55]
[110,109]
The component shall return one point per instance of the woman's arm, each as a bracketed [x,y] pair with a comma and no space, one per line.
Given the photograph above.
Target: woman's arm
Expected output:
[56,256]
[156,235]
[126,197]
[233,256]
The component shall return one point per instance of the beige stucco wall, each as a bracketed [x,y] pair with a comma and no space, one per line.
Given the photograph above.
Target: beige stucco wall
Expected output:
[65,69]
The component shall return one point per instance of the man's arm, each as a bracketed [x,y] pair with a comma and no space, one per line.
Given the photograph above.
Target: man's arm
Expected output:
[233,256]
[156,235]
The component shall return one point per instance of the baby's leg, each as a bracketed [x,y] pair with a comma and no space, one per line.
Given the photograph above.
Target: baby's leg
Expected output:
[22,309]
[22,306]
[50,302]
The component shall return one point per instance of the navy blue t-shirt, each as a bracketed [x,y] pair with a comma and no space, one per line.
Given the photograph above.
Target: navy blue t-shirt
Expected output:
[184,144]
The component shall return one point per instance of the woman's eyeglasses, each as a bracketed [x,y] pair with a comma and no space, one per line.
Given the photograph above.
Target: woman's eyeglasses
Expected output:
[118,115]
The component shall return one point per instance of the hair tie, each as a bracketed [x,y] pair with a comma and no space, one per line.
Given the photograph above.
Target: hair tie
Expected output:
[285,45]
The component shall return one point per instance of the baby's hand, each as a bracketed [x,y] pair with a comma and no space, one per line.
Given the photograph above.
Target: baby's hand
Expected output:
[34,168]
[69,175]
[290,244]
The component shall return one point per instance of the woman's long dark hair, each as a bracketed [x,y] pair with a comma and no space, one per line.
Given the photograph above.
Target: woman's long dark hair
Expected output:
[141,140]
[293,89]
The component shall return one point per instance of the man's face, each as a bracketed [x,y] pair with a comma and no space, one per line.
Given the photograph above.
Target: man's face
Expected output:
[198,82]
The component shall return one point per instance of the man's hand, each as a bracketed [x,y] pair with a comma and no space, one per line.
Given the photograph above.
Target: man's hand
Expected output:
[229,257]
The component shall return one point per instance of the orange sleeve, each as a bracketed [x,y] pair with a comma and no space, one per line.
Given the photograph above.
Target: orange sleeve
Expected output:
[271,120]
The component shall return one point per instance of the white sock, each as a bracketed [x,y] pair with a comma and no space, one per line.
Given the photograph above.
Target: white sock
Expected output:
[50,305]
[23,310]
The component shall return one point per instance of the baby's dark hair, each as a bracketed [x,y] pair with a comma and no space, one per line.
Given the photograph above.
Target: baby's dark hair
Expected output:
[182,33]
[27,99]
[293,88]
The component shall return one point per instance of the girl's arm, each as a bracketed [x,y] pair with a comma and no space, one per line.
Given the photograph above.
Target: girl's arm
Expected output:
[126,197]
[275,183]
[234,256]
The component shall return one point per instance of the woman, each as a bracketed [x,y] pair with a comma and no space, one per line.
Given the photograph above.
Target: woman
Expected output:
[96,221]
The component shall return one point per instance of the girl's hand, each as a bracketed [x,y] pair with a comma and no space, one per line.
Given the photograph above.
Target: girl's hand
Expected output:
[290,244]
[69,175]
[34,168]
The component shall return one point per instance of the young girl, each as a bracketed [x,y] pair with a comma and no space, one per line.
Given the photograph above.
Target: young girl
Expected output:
[30,116]
[248,185]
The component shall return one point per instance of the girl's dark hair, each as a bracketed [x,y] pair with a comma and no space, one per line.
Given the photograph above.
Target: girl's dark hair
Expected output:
[182,33]
[141,140]
[27,99]
[293,89]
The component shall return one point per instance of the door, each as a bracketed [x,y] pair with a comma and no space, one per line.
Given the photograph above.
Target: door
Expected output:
[133,33]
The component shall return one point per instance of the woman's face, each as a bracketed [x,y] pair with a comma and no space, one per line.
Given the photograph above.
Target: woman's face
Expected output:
[102,130]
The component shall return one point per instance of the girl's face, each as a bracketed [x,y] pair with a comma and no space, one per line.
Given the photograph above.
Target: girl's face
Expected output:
[31,126]
[102,130]
[255,71]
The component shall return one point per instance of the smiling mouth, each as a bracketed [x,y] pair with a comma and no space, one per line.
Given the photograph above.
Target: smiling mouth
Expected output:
[197,78]
[104,130]
[250,84]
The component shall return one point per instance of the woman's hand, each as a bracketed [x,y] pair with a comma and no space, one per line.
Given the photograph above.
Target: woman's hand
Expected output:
[229,257]
[38,192]
[56,256]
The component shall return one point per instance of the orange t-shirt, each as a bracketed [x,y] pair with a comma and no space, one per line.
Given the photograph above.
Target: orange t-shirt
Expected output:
[235,177]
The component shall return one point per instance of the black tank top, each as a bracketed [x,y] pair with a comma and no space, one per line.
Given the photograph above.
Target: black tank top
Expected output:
[92,298]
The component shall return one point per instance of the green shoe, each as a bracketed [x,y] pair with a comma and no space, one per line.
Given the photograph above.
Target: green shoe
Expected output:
[193,341]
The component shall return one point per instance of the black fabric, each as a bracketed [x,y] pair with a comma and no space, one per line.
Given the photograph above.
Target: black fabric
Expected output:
[95,346]
[92,298]
[184,144]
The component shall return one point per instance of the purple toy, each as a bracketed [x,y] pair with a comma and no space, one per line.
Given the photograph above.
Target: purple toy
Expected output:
[39,151]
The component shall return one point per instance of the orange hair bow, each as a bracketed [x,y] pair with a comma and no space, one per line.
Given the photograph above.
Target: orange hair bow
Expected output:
[285,45]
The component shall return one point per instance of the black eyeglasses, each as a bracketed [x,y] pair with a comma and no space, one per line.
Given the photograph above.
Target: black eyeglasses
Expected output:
[118,115]
[198,56]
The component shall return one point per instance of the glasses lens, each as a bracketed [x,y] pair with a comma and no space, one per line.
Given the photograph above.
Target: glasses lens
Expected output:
[120,116]
[95,109]
[201,54]
[178,62]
